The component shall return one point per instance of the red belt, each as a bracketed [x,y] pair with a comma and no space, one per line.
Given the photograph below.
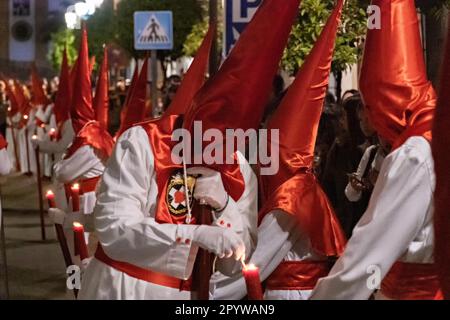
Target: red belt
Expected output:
[144,274]
[297,275]
[411,281]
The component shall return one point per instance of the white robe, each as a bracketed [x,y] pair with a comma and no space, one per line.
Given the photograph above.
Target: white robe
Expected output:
[11,128]
[45,115]
[398,225]
[279,239]
[126,227]
[5,168]
[26,149]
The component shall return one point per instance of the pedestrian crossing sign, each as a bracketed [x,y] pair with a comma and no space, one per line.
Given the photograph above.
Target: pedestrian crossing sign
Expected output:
[153,30]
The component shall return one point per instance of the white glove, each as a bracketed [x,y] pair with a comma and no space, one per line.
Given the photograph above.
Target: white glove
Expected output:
[209,188]
[223,242]
[57,216]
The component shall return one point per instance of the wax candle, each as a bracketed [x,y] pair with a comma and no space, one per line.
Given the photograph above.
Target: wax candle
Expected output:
[80,242]
[51,199]
[253,282]
[52,134]
[75,190]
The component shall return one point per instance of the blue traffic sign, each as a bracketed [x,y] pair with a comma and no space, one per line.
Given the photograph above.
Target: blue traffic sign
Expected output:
[153,30]
[238,14]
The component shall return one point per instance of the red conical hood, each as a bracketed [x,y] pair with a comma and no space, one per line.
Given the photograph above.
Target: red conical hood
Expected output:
[136,109]
[294,188]
[82,111]
[101,100]
[39,96]
[236,95]
[64,95]
[394,84]
[22,100]
[14,104]
[194,77]
[441,154]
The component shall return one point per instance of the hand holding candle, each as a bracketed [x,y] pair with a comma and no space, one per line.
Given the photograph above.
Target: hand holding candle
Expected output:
[75,193]
[51,199]
[80,242]
[253,282]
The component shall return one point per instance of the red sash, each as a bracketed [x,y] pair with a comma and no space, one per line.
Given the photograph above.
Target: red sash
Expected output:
[143,274]
[3,143]
[86,185]
[297,275]
[411,281]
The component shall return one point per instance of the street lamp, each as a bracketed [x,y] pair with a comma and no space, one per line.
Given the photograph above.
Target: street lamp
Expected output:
[81,9]
[71,20]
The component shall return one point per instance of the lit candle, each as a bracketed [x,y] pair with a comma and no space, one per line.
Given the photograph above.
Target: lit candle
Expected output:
[34,137]
[253,282]
[25,117]
[75,190]
[80,242]
[51,199]
[52,134]
[42,125]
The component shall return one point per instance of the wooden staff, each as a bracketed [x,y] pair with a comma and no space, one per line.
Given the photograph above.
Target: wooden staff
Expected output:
[39,184]
[204,261]
[16,153]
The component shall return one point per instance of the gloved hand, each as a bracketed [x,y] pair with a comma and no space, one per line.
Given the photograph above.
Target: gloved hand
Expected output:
[58,216]
[223,242]
[209,188]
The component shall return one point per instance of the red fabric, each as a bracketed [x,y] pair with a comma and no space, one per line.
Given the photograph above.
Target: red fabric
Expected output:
[297,275]
[160,137]
[394,84]
[294,189]
[194,77]
[39,96]
[101,100]
[135,109]
[302,197]
[81,110]
[3,143]
[94,135]
[143,274]
[64,95]
[411,281]
[129,93]
[88,185]
[236,96]
[22,100]
[441,154]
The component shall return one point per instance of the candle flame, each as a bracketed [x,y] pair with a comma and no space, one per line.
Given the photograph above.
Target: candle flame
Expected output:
[75,186]
[50,193]
[249,267]
[42,125]
[77,225]
[34,137]
[25,117]
[52,131]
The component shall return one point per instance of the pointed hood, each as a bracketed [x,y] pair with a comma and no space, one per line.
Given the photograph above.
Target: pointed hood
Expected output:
[441,154]
[22,100]
[12,98]
[101,100]
[64,95]
[294,188]
[81,110]
[236,95]
[194,78]
[394,84]
[39,96]
[136,109]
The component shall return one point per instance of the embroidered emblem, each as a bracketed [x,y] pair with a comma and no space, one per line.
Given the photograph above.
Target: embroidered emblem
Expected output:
[176,195]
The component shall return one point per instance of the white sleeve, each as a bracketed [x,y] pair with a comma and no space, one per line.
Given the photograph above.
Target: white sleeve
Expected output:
[124,227]
[82,161]
[241,217]
[5,163]
[60,146]
[276,236]
[397,210]
[352,194]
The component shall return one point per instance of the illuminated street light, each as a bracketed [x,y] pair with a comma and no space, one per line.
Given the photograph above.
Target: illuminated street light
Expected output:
[91,7]
[81,9]
[71,20]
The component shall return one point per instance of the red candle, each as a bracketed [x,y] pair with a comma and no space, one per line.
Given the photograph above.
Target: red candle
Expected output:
[52,134]
[80,242]
[75,190]
[51,199]
[253,282]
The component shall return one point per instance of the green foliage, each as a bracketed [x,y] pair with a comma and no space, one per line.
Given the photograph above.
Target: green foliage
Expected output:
[312,19]
[60,39]
[186,14]
[195,37]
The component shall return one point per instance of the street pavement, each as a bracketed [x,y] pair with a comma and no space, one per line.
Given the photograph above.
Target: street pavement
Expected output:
[35,267]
